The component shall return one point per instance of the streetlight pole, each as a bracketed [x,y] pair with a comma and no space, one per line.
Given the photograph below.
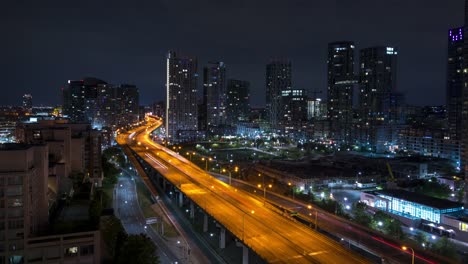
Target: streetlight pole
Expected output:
[264,191]
[310,214]
[412,253]
[206,162]
[224,170]
[292,189]
[190,155]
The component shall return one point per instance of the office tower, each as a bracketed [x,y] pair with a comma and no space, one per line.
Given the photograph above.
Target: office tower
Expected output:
[27,102]
[455,82]
[278,79]
[341,81]
[238,101]
[23,178]
[181,97]
[377,87]
[214,93]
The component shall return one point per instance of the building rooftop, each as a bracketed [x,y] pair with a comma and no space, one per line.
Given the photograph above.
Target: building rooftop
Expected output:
[420,199]
[14,146]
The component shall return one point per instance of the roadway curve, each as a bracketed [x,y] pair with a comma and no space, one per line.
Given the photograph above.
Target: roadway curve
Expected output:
[275,238]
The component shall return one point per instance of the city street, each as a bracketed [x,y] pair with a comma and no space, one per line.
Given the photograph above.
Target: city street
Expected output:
[128,211]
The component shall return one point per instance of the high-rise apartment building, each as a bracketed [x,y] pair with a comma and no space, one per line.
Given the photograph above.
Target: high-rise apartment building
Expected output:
[238,101]
[455,82]
[103,105]
[377,98]
[214,94]
[341,80]
[181,97]
[278,79]
[27,102]
[464,142]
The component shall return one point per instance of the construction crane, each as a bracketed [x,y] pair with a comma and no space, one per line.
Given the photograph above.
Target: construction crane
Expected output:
[391,182]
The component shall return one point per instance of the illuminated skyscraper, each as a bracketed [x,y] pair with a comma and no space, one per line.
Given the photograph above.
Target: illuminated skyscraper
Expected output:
[214,93]
[464,143]
[238,101]
[27,102]
[341,81]
[455,82]
[181,97]
[278,79]
[377,98]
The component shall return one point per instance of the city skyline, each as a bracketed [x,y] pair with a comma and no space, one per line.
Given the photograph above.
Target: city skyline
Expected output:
[51,45]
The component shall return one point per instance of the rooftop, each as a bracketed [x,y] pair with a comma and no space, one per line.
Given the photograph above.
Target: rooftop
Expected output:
[420,199]
[14,146]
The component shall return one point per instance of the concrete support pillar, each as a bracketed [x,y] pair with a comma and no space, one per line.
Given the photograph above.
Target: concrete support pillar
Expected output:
[245,252]
[205,223]
[222,237]
[181,199]
[192,210]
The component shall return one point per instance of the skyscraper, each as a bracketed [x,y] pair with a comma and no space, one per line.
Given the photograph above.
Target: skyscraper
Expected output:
[464,142]
[455,82]
[27,102]
[278,79]
[377,98]
[238,101]
[181,97]
[214,93]
[341,81]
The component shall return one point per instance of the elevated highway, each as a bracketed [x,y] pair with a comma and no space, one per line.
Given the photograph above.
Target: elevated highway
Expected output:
[273,237]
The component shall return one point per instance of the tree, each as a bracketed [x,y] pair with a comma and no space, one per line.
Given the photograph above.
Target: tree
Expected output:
[360,214]
[137,249]
[445,247]
[434,189]
[113,234]
[421,238]
[95,209]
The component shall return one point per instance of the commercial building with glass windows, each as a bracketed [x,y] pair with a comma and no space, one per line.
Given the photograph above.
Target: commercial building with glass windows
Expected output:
[411,205]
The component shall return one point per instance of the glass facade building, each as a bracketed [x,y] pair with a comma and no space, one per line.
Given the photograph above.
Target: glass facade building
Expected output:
[411,205]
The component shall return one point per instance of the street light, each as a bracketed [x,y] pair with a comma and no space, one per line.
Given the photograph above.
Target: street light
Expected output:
[292,189]
[206,162]
[190,155]
[224,170]
[264,191]
[412,253]
[243,223]
[316,213]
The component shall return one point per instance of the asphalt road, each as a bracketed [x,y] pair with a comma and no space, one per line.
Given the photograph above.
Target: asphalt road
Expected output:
[129,212]
[274,237]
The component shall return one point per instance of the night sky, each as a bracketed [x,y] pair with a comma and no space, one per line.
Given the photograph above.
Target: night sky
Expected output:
[45,43]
